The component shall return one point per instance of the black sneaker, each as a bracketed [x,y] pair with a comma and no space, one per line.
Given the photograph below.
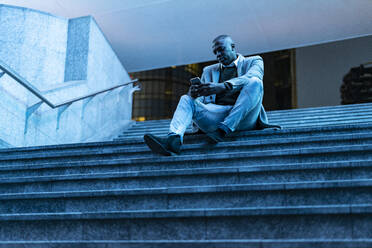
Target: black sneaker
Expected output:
[216,136]
[163,145]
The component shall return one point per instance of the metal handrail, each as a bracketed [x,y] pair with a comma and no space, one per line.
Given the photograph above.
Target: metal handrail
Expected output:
[13,74]
[96,93]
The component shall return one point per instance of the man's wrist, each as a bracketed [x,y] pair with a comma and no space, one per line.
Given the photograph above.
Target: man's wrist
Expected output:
[227,85]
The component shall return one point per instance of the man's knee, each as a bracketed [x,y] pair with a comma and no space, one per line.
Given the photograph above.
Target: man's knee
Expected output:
[254,85]
[186,98]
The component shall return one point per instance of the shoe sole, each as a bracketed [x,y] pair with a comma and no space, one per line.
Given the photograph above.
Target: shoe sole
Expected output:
[155,146]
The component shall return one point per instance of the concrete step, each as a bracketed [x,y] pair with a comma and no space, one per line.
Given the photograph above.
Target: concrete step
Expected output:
[133,133]
[188,149]
[279,173]
[218,243]
[267,133]
[300,222]
[243,135]
[303,193]
[318,116]
[165,129]
[295,155]
[306,185]
[319,112]
[298,113]
[284,123]
[340,109]
[357,114]
[349,107]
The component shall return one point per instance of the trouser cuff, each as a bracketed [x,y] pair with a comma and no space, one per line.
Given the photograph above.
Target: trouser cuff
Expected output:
[225,128]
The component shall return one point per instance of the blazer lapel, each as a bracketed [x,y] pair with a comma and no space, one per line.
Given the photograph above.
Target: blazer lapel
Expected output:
[216,74]
[240,66]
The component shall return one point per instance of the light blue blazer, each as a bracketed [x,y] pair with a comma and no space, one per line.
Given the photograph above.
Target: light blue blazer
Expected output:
[247,67]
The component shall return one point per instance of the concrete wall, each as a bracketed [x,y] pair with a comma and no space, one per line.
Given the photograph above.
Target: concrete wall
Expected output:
[64,59]
[320,69]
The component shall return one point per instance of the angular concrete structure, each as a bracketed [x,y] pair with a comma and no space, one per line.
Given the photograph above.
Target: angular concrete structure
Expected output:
[64,59]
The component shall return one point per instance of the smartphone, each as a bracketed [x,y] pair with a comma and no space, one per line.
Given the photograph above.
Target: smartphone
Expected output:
[195,81]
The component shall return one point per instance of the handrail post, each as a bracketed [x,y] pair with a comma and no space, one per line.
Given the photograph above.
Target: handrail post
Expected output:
[60,111]
[85,103]
[130,95]
[29,111]
[96,93]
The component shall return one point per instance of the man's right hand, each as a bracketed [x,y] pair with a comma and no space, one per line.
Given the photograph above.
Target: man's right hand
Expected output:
[193,91]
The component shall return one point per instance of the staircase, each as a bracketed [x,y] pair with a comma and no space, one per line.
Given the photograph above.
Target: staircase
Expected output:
[307,185]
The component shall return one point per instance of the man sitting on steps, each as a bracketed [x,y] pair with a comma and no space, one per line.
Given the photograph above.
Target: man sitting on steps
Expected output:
[229,98]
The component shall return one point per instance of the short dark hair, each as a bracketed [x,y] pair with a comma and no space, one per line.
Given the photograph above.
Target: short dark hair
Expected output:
[222,36]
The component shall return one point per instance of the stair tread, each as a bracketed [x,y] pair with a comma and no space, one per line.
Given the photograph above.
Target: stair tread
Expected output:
[197,146]
[207,243]
[201,157]
[335,127]
[193,171]
[304,185]
[191,213]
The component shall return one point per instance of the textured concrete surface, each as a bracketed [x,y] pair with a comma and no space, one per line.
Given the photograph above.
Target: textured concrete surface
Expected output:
[4,144]
[284,243]
[322,117]
[307,186]
[337,192]
[308,222]
[64,59]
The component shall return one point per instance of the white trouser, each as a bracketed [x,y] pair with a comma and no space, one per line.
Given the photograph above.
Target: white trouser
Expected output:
[208,117]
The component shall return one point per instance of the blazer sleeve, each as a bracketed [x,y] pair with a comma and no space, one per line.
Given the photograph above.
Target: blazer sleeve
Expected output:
[203,80]
[255,69]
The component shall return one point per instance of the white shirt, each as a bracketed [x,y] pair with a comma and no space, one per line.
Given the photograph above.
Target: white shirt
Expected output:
[232,64]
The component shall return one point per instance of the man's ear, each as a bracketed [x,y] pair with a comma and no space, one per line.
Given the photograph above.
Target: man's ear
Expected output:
[233,46]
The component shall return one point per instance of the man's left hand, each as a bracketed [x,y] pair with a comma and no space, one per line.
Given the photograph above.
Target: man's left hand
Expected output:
[208,89]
